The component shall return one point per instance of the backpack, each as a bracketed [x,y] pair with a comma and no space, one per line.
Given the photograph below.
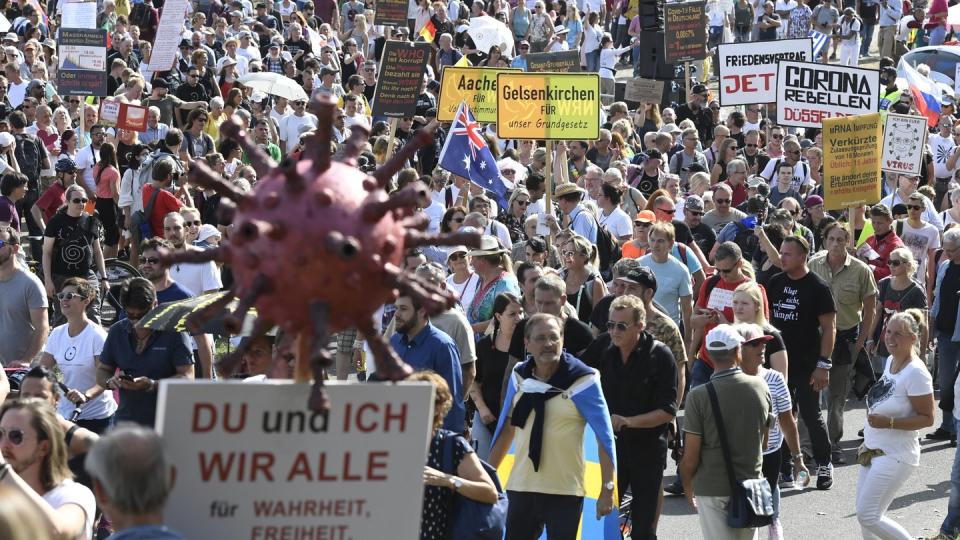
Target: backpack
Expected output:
[141,15]
[608,249]
[144,175]
[207,143]
[776,165]
[29,154]
[746,239]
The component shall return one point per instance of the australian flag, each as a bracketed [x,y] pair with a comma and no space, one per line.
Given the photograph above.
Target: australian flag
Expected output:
[465,153]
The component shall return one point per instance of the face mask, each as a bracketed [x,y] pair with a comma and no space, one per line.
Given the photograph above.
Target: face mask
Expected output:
[533,386]
[884,81]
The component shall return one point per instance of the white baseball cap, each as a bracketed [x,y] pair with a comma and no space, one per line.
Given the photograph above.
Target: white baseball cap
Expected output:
[723,338]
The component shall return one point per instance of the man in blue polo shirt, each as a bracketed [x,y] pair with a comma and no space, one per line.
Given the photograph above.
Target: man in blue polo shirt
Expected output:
[423,346]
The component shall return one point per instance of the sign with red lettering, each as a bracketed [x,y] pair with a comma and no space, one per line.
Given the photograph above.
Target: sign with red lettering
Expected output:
[748,71]
[123,115]
[251,461]
[684,31]
[809,92]
[904,137]
[401,76]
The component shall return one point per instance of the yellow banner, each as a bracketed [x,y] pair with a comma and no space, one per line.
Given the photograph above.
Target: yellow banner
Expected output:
[851,160]
[475,85]
[554,106]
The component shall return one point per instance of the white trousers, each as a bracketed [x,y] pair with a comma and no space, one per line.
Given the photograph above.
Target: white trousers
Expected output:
[712,512]
[850,52]
[877,485]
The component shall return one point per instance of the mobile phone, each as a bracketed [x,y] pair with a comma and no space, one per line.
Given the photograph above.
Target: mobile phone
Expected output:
[126,377]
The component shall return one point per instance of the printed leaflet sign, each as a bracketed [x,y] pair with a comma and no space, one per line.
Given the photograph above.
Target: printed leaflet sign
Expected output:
[401,75]
[389,13]
[475,85]
[903,140]
[643,90]
[83,62]
[558,62]
[684,31]
[851,161]
[554,106]
[748,71]
[252,462]
[808,93]
[123,115]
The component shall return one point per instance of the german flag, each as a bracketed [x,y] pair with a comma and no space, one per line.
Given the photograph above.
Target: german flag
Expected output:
[428,32]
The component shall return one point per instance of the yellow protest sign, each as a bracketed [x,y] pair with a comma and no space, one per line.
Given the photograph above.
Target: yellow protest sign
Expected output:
[851,160]
[475,85]
[551,106]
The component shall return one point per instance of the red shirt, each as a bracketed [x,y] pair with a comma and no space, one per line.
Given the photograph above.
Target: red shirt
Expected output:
[739,193]
[51,200]
[884,247]
[164,204]
[721,299]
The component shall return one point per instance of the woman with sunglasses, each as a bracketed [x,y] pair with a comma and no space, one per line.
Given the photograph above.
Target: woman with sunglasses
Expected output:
[462,281]
[895,293]
[452,219]
[584,284]
[71,248]
[516,214]
[74,348]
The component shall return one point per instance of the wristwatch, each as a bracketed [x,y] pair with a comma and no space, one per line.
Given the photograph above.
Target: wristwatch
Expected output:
[798,456]
[457,483]
[609,486]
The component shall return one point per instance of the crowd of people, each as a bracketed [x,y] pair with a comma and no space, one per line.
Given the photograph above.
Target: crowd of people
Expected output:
[686,251]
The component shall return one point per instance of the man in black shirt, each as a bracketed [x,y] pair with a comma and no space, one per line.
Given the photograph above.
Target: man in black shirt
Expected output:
[701,116]
[550,296]
[191,90]
[693,218]
[639,380]
[946,310]
[751,152]
[803,309]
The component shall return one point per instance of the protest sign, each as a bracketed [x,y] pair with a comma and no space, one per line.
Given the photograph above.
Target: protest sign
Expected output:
[83,62]
[643,90]
[390,13]
[851,160]
[252,462]
[401,75]
[477,86]
[808,93]
[903,139]
[556,62]
[167,42]
[553,106]
[748,71]
[684,31]
[956,79]
[79,14]
[123,115]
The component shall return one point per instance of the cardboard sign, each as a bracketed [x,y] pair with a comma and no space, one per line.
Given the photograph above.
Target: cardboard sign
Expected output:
[643,90]
[83,62]
[390,13]
[552,106]
[475,85]
[748,71]
[252,462]
[401,75]
[78,14]
[123,115]
[685,31]
[851,161]
[903,139]
[167,42]
[808,93]
[556,62]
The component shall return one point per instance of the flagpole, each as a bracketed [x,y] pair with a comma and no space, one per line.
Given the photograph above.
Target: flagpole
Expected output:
[548,195]
[391,142]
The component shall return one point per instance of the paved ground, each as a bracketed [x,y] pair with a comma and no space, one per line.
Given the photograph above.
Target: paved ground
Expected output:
[919,507]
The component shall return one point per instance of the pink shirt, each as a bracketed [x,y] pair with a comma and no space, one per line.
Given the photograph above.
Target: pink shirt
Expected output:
[106,180]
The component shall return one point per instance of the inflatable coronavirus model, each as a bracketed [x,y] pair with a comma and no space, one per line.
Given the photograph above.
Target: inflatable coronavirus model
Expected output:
[316,248]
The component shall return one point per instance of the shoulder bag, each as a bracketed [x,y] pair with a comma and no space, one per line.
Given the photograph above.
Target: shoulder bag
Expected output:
[469,519]
[751,500]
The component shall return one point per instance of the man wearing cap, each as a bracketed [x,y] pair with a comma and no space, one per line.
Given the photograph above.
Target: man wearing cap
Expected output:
[248,48]
[230,47]
[263,16]
[803,309]
[328,83]
[701,116]
[639,378]
[520,60]
[745,406]
[850,25]
[855,294]
[290,127]
[580,220]
[816,219]
[693,217]
[681,161]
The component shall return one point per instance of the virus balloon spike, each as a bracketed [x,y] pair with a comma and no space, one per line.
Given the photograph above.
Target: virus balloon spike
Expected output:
[415,238]
[317,246]
[205,177]
[260,160]
[217,254]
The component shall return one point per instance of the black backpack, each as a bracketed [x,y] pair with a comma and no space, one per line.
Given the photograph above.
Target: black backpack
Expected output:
[29,153]
[140,15]
[608,249]
[746,239]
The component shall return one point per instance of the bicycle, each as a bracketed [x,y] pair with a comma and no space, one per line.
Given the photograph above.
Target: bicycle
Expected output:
[117,272]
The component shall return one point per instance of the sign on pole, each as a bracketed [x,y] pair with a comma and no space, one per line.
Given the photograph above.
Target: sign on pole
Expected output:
[643,90]
[808,93]
[123,115]
[556,62]
[83,62]
[748,71]
[390,12]
[401,74]
[851,161]
[167,42]
[903,139]
[477,86]
[685,31]
[252,462]
[551,106]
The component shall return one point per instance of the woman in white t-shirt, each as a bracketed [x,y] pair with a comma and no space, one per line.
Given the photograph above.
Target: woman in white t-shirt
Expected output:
[611,215]
[462,281]
[75,348]
[898,405]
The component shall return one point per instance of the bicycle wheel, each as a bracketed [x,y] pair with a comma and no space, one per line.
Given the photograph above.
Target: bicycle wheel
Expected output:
[117,272]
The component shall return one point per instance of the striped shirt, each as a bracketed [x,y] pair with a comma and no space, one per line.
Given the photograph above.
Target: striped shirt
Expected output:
[781,403]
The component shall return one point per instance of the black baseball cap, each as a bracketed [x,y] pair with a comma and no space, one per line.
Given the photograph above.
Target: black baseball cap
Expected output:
[694,167]
[641,276]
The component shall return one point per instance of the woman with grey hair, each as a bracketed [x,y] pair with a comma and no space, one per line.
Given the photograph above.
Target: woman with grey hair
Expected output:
[952,214]
[896,292]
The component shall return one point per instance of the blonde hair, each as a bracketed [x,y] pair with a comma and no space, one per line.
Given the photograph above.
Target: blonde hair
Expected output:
[755,293]
[631,303]
[915,322]
[20,519]
[905,255]
[584,247]
[698,180]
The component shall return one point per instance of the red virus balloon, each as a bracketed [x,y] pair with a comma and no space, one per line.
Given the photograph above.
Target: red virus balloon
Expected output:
[317,248]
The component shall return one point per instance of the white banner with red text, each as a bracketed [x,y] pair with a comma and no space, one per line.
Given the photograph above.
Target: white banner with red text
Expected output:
[808,92]
[748,71]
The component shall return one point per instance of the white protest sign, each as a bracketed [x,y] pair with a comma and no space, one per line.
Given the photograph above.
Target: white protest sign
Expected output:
[167,42]
[809,92]
[79,14]
[748,71]
[903,140]
[956,79]
[253,462]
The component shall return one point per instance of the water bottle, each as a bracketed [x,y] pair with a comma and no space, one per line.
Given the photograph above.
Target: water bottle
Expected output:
[75,415]
[802,480]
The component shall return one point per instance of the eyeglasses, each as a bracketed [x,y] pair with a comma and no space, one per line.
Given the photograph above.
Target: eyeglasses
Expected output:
[196,223]
[796,152]
[69,296]
[457,256]
[671,212]
[14,435]
[135,316]
[777,136]
[721,201]
[893,263]
[914,207]
[149,260]
[79,201]
[751,145]
[621,326]
[726,270]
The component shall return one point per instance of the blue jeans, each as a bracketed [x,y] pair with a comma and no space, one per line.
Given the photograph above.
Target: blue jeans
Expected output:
[700,373]
[593,61]
[951,524]
[866,37]
[937,35]
[949,353]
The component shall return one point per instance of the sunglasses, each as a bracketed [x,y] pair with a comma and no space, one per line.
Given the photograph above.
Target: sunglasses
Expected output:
[721,201]
[671,212]
[196,223]
[621,326]
[777,136]
[694,213]
[726,270]
[457,256]
[523,203]
[751,145]
[149,260]
[14,435]
[570,253]
[894,263]
[914,207]
[80,201]
[69,296]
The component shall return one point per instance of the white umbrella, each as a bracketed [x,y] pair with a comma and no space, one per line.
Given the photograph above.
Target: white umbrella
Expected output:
[487,32]
[275,84]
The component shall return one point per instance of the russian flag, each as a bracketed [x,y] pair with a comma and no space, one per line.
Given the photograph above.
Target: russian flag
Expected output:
[926,95]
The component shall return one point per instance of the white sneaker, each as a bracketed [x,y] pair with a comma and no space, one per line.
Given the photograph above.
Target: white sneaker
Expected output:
[774,530]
